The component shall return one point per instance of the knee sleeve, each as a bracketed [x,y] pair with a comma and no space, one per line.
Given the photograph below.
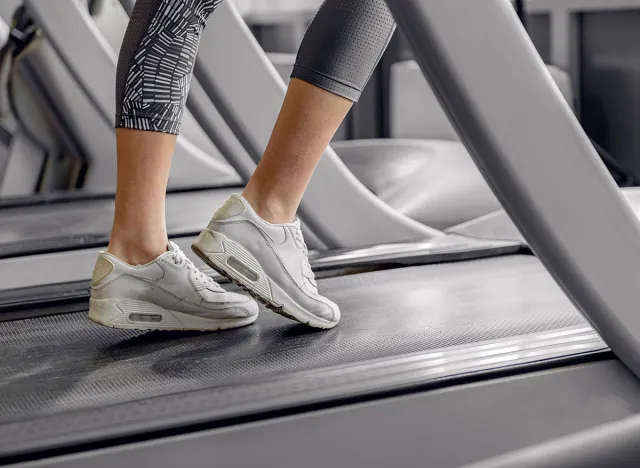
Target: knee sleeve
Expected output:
[343,45]
[156,61]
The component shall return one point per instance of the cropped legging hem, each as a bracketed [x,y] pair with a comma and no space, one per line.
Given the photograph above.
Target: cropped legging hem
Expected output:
[326,82]
[150,122]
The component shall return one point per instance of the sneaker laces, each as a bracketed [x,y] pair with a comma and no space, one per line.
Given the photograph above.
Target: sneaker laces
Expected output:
[201,279]
[306,266]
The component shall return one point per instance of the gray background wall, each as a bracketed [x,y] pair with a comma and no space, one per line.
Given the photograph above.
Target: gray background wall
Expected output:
[610,82]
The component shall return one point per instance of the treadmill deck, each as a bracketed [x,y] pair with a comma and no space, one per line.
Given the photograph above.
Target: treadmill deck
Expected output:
[64,362]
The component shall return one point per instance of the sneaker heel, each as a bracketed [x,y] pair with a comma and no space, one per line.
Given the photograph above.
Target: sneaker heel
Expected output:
[210,242]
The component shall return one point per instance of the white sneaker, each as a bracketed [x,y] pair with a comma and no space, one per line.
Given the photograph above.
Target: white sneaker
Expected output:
[267,260]
[168,293]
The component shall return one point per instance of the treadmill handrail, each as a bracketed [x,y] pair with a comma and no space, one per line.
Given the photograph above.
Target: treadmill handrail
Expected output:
[533,152]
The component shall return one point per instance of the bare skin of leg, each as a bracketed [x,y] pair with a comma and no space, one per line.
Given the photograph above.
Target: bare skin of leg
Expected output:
[308,120]
[139,231]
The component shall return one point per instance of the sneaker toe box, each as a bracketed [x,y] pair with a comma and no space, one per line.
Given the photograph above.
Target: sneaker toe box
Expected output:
[328,311]
[248,305]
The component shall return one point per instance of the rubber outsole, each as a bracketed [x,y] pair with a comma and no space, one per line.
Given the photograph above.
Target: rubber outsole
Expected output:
[146,328]
[267,302]
[122,322]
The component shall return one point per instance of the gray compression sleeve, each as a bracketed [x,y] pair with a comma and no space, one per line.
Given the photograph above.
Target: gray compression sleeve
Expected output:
[343,45]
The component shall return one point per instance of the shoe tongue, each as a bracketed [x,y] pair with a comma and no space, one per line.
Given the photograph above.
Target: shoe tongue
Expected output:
[172,247]
[296,223]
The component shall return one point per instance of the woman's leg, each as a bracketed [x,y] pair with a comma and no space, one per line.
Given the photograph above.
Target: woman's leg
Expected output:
[139,232]
[340,50]
[143,281]
[152,82]
[337,57]
[307,121]
[253,239]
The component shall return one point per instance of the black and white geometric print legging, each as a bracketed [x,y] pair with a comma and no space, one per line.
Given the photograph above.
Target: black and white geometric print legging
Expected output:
[339,52]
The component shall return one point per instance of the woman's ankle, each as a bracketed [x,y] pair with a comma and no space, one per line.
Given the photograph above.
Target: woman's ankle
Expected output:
[270,208]
[138,250]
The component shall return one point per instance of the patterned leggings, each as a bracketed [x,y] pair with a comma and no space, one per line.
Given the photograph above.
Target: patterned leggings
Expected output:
[339,52]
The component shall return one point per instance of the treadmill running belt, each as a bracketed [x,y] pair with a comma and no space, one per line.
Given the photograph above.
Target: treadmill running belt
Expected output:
[57,363]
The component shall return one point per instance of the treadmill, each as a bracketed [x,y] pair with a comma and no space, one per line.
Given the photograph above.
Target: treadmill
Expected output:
[440,360]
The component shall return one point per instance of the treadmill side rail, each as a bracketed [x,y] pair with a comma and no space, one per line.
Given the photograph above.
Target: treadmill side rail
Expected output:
[531,149]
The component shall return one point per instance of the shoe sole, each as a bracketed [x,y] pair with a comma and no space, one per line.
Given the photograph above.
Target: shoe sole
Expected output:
[141,315]
[235,263]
